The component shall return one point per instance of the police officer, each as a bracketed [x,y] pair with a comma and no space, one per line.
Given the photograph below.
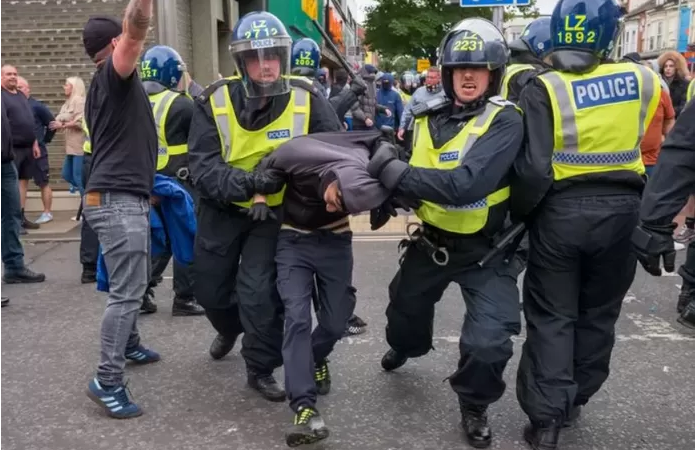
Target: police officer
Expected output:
[305,59]
[581,262]
[161,70]
[407,86]
[89,243]
[526,57]
[236,122]
[667,191]
[459,168]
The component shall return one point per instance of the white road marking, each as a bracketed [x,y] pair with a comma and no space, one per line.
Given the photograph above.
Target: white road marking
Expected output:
[630,298]
[651,324]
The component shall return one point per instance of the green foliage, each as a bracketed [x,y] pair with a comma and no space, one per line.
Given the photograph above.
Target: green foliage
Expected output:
[416,27]
[399,64]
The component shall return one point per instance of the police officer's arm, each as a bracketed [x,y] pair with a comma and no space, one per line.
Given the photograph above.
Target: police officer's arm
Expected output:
[179,120]
[533,174]
[485,166]
[211,175]
[672,180]
[517,84]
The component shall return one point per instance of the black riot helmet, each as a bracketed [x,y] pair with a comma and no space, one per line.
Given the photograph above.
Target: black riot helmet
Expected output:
[474,43]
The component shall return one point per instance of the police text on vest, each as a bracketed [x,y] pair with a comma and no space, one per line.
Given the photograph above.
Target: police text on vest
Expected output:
[605,90]
[449,156]
[278,134]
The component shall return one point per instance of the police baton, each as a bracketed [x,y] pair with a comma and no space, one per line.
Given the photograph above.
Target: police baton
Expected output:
[334,50]
[512,233]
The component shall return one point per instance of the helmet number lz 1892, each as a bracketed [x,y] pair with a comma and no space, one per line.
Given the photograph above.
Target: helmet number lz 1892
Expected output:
[575,32]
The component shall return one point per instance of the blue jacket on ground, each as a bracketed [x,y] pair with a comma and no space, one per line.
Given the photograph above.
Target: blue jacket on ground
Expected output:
[389,98]
[172,223]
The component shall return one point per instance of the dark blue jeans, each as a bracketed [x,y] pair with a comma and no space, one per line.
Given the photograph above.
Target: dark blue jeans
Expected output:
[12,251]
[300,258]
[72,171]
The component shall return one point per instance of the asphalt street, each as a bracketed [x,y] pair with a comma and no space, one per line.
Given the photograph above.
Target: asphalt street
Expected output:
[50,348]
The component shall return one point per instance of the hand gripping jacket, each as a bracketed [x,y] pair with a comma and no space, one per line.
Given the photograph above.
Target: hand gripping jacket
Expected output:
[244,149]
[462,219]
[585,109]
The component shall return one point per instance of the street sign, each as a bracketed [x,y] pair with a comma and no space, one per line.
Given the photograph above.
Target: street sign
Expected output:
[422,64]
[489,3]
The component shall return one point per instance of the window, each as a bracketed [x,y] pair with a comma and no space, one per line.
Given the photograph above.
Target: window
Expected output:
[658,39]
[634,46]
[651,38]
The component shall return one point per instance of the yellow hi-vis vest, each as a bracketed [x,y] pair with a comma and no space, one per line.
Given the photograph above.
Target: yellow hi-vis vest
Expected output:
[161,103]
[462,219]
[405,98]
[690,91]
[599,118]
[86,141]
[244,149]
[511,71]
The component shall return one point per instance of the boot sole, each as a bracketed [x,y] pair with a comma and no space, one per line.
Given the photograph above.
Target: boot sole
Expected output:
[479,444]
[22,280]
[176,313]
[98,401]
[148,311]
[274,399]
[297,439]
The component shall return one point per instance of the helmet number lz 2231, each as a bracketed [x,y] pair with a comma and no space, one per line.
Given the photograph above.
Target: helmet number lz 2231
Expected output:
[574,31]
[468,43]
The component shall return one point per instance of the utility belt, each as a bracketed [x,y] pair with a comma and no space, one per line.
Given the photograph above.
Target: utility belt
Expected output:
[181,174]
[438,245]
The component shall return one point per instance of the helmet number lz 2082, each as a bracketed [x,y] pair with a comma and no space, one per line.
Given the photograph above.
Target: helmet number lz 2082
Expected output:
[575,32]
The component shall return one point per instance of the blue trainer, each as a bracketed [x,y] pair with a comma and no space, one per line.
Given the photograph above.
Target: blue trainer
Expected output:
[114,400]
[142,355]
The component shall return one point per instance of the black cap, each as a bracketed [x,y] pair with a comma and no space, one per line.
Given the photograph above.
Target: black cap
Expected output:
[98,33]
[633,56]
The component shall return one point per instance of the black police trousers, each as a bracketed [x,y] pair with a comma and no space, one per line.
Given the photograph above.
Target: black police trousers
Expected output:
[182,280]
[240,296]
[687,269]
[89,244]
[492,317]
[581,264]
[302,258]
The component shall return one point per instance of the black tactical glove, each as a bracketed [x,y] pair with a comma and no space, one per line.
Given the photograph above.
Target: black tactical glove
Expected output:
[269,181]
[385,165]
[406,204]
[387,136]
[358,86]
[379,218]
[259,211]
[654,242]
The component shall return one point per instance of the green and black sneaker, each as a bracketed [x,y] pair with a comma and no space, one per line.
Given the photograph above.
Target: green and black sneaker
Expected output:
[307,428]
[322,377]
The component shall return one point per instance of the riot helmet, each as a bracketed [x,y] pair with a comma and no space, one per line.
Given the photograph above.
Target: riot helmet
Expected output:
[261,48]
[475,44]
[305,58]
[408,83]
[162,65]
[535,39]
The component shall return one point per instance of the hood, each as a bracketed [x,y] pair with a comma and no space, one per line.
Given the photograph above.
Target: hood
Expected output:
[679,62]
[388,79]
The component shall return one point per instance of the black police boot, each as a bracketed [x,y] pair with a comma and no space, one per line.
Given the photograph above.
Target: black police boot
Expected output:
[542,436]
[393,360]
[355,326]
[267,386]
[322,377]
[685,296]
[148,306]
[23,276]
[573,416]
[686,317]
[186,307]
[89,275]
[28,224]
[307,428]
[221,346]
[475,424]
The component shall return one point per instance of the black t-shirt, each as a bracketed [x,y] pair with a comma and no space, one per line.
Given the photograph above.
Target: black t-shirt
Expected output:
[123,133]
[21,119]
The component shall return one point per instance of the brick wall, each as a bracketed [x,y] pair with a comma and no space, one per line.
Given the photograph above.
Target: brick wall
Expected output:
[43,39]
[183,27]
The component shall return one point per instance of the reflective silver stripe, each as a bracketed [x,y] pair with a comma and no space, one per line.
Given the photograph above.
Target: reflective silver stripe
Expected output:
[159,109]
[223,121]
[480,121]
[646,95]
[299,118]
[569,128]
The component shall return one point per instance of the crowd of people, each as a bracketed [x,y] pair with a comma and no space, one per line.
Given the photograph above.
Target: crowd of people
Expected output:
[248,185]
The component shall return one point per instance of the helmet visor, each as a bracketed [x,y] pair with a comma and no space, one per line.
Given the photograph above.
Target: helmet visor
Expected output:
[264,65]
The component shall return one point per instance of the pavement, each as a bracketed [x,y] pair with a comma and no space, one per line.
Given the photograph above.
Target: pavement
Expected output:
[50,347]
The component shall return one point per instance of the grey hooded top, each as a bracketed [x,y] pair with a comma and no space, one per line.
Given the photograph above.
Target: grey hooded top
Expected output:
[333,156]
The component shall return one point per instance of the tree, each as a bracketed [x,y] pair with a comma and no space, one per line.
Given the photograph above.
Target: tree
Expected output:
[416,27]
[399,64]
